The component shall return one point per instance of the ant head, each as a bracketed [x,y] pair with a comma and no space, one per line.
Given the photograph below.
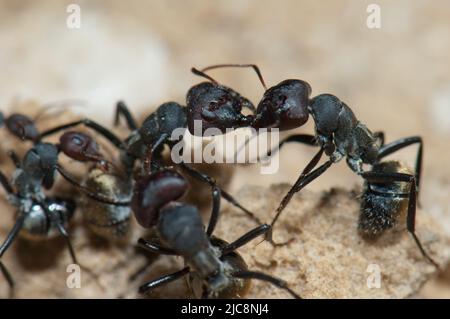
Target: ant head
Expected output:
[284,106]
[22,126]
[216,106]
[181,228]
[168,117]
[80,147]
[152,192]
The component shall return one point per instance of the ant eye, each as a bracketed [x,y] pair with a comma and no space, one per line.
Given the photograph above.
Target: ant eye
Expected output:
[77,141]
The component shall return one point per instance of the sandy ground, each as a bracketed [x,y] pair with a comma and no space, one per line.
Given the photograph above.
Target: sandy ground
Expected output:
[395,78]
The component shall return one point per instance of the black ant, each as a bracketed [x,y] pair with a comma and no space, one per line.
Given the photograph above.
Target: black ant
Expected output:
[151,136]
[338,132]
[213,264]
[38,214]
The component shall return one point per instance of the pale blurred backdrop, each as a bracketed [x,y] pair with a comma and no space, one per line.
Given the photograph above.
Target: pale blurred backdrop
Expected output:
[395,78]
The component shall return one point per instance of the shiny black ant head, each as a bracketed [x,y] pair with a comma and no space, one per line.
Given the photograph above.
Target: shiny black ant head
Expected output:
[216,106]
[154,191]
[22,126]
[80,147]
[284,106]
[181,228]
[168,117]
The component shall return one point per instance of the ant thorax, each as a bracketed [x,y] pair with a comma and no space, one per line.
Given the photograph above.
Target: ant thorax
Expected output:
[28,186]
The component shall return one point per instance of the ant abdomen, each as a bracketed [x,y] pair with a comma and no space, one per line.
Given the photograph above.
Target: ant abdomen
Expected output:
[107,220]
[40,220]
[384,205]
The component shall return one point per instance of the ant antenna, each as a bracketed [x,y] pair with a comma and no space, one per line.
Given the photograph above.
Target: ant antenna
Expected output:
[204,75]
[228,65]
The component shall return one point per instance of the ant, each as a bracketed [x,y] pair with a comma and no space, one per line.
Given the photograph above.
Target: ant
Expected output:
[338,132]
[213,264]
[151,136]
[39,215]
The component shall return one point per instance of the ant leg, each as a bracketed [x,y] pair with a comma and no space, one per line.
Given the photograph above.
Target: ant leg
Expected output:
[265,277]
[155,248]
[297,138]
[8,278]
[89,192]
[106,133]
[254,66]
[62,230]
[149,165]
[244,239]
[12,234]
[215,210]
[301,182]
[380,136]
[163,280]
[6,184]
[374,177]
[122,110]
[207,179]
[205,293]
[401,143]
[14,158]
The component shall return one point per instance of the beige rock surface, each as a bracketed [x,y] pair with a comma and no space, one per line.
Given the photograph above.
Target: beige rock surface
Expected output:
[327,259]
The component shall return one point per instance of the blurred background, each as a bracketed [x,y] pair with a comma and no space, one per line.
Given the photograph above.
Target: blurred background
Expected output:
[396,78]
